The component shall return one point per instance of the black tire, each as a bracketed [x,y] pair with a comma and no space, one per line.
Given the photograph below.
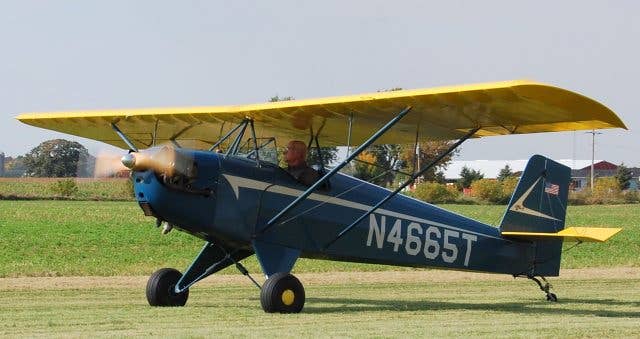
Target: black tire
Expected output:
[160,288]
[283,293]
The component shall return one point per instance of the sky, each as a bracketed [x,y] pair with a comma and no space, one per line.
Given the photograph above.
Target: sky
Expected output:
[73,55]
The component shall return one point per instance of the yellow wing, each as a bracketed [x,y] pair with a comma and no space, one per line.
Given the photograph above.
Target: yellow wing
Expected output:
[512,107]
[585,234]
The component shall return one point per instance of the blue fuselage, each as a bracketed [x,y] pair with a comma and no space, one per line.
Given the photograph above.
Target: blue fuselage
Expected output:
[243,196]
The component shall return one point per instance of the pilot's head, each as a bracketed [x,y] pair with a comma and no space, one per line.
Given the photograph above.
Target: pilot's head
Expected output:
[296,153]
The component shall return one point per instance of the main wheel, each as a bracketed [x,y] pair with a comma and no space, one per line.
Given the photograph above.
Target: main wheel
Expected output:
[161,288]
[282,292]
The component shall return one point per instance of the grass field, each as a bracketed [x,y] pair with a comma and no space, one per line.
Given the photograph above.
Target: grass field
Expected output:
[593,303]
[116,189]
[79,238]
[99,255]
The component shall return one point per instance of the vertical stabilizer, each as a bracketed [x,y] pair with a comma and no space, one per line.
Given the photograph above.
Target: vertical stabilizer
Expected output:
[539,204]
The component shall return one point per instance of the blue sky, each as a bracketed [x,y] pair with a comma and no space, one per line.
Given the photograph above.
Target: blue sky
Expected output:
[69,55]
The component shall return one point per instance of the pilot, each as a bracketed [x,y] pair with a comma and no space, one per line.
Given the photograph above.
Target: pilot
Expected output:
[295,156]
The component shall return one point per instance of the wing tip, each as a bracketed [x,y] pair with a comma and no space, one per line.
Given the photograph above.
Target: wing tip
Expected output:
[610,117]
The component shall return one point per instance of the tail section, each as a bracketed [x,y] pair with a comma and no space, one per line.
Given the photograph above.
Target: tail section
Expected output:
[539,202]
[539,205]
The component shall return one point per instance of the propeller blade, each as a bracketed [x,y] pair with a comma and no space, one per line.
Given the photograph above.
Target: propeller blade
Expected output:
[161,159]
[108,164]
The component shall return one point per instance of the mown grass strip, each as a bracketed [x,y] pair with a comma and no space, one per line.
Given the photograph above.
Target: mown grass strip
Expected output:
[604,307]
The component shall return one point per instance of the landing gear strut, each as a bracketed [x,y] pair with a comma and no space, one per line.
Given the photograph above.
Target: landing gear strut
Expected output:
[283,293]
[545,287]
[161,288]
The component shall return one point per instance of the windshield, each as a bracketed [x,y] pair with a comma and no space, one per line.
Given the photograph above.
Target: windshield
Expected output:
[267,150]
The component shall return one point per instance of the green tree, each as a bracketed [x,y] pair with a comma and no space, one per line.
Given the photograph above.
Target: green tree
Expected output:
[509,186]
[14,167]
[393,89]
[488,190]
[403,157]
[388,158]
[59,158]
[468,176]
[366,168]
[429,151]
[65,187]
[505,173]
[329,155]
[439,177]
[624,176]
[606,191]
[433,192]
[276,98]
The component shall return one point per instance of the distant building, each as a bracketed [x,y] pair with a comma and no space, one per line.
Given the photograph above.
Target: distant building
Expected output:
[580,175]
[1,164]
[491,168]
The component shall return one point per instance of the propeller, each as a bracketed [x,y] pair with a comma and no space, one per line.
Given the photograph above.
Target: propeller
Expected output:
[108,164]
[161,159]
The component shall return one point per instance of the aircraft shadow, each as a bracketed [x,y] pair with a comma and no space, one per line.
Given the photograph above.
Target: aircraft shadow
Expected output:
[341,305]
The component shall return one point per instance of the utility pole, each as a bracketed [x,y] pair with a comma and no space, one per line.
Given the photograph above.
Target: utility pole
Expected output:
[593,152]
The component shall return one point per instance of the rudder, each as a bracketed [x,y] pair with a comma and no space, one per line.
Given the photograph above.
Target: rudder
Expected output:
[539,205]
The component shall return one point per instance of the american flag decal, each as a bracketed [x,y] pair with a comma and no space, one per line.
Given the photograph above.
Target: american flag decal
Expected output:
[551,188]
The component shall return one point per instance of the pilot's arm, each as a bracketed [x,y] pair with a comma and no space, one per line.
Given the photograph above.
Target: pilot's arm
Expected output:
[308,176]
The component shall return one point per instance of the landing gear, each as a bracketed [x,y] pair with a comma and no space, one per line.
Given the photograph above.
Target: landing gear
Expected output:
[283,293]
[545,287]
[161,288]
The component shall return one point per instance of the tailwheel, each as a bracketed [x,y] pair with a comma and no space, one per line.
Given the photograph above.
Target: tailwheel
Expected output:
[545,287]
[161,288]
[283,293]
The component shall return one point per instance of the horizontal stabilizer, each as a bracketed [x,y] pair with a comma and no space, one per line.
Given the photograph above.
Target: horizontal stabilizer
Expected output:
[583,234]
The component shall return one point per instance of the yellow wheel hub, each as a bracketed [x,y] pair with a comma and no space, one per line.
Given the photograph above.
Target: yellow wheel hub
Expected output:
[288,297]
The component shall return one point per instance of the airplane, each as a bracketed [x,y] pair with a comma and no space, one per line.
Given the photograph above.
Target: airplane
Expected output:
[213,172]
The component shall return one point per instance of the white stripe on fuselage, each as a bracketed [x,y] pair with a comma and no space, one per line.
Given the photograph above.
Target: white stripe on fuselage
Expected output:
[237,182]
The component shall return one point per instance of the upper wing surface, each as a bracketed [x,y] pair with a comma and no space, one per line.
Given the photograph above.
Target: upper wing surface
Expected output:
[511,107]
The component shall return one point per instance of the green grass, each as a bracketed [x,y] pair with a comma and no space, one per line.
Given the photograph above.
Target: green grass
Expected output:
[88,189]
[621,250]
[607,307]
[113,238]
[75,238]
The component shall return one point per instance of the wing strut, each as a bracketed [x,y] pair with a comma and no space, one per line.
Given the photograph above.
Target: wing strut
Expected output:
[180,132]
[405,184]
[221,140]
[124,137]
[335,170]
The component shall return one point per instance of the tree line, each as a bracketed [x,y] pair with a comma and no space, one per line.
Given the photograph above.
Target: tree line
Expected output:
[57,158]
[383,165]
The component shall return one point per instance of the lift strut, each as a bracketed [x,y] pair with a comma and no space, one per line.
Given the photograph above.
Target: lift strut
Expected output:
[405,184]
[335,170]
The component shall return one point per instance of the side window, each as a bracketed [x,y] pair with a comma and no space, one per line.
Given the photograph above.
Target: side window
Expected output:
[268,150]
